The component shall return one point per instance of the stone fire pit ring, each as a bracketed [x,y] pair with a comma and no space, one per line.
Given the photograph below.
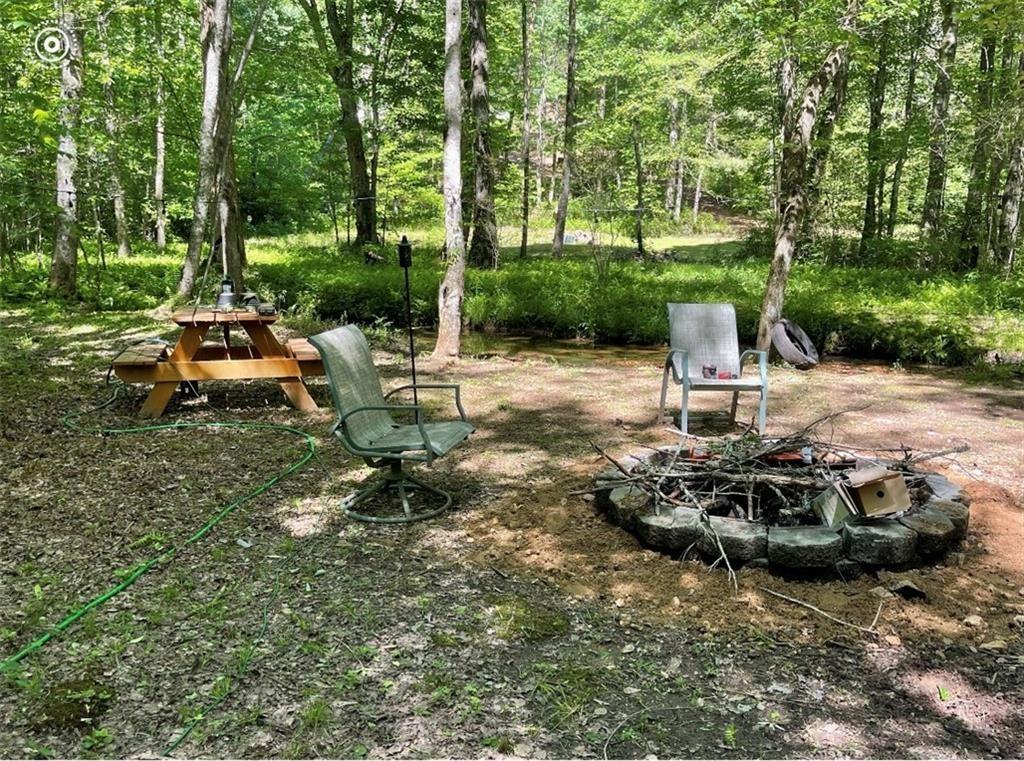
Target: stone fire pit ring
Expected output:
[921,535]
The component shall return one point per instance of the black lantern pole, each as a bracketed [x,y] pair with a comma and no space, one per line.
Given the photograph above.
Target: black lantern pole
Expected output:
[405,262]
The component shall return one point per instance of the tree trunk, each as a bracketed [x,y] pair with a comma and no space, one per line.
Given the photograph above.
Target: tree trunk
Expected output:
[785,94]
[673,148]
[822,147]
[541,103]
[931,217]
[875,168]
[525,227]
[483,248]
[908,115]
[64,267]
[793,177]
[112,128]
[569,141]
[216,47]
[709,147]
[1008,235]
[160,159]
[972,233]
[449,297]
[639,191]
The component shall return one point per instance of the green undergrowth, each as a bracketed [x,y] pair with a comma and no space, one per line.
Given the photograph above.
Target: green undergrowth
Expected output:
[600,294]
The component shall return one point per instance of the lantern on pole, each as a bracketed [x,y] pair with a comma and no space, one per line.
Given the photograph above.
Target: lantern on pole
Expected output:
[405,262]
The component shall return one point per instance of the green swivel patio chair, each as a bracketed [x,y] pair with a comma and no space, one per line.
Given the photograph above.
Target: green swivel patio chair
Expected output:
[366,429]
[703,336]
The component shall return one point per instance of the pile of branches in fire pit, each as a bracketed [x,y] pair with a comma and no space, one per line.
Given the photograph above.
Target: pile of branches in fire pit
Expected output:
[767,480]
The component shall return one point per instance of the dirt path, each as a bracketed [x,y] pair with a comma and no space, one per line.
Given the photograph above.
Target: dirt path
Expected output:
[521,624]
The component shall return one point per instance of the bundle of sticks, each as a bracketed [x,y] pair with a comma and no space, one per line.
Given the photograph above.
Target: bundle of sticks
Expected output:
[769,480]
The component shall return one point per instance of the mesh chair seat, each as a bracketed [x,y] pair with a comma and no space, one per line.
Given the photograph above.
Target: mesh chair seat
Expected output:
[443,437]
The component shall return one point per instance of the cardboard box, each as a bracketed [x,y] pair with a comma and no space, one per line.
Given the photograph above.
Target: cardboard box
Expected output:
[878,491]
[833,506]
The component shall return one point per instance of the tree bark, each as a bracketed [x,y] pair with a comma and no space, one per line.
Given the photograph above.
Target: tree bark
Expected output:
[931,216]
[875,166]
[569,141]
[449,297]
[340,65]
[483,247]
[64,267]
[112,128]
[821,144]
[524,238]
[1009,220]
[972,233]
[673,163]
[785,97]
[793,177]
[908,116]
[639,191]
[709,147]
[216,47]
[160,158]
[541,103]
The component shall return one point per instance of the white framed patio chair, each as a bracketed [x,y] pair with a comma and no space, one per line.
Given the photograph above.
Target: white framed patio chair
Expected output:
[702,337]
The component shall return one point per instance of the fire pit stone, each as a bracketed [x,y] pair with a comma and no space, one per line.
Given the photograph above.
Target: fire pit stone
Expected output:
[742,541]
[934,529]
[958,513]
[879,542]
[674,529]
[804,546]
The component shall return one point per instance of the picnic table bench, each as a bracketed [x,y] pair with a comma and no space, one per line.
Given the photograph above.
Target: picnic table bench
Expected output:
[192,359]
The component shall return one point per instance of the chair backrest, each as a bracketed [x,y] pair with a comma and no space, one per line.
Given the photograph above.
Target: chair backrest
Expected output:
[354,382]
[708,333]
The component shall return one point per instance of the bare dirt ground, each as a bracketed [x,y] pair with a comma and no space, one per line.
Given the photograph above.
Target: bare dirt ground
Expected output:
[521,623]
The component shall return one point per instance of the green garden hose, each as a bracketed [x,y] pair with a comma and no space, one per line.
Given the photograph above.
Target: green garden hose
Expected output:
[145,567]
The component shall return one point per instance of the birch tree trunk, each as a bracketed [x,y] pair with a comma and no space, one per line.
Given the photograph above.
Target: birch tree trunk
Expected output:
[793,177]
[568,142]
[160,158]
[931,216]
[216,47]
[821,144]
[525,64]
[673,164]
[785,96]
[112,128]
[449,297]
[483,248]
[64,267]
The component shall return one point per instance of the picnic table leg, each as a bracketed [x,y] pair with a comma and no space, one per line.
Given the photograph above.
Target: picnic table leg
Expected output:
[268,346]
[188,344]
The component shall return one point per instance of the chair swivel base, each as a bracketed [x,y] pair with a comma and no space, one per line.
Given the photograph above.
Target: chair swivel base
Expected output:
[398,479]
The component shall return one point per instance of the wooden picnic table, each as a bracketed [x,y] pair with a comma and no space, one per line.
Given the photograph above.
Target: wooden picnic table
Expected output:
[192,360]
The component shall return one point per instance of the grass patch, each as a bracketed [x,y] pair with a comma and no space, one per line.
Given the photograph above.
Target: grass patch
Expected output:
[596,293]
[516,618]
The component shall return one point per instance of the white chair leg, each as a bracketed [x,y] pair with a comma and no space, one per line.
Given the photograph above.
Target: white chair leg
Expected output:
[762,412]
[664,394]
[735,402]
[684,409]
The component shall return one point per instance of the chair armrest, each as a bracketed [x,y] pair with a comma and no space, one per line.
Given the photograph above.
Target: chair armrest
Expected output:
[418,386]
[762,362]
[670,365]
[415,408]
